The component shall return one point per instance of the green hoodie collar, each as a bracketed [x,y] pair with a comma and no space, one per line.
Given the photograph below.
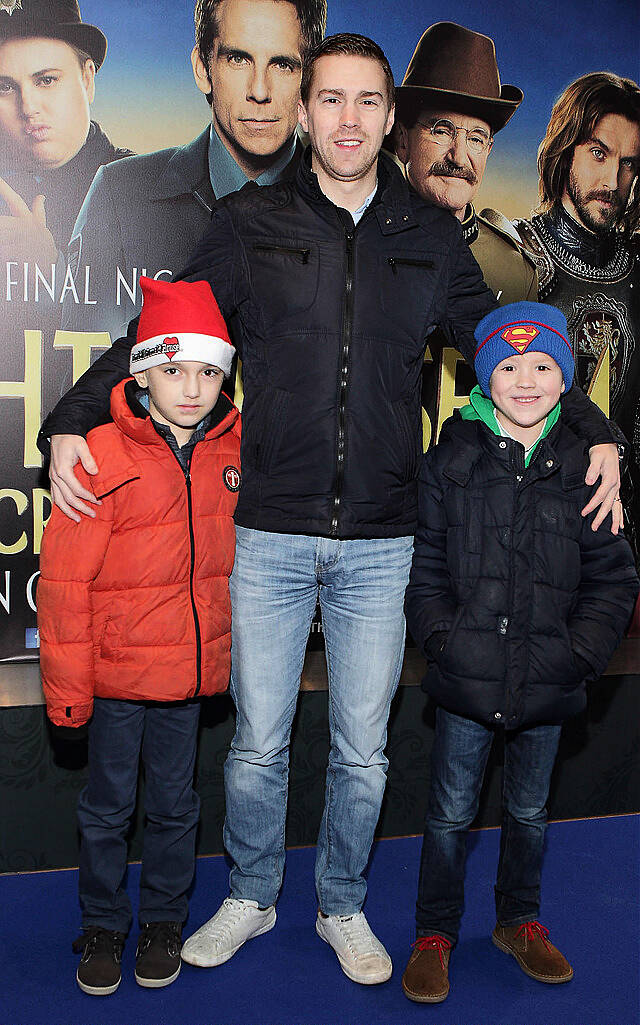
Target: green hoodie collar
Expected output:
[482,408]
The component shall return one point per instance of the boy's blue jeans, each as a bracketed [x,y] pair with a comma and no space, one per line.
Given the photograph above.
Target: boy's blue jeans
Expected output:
[164,736]
[458,760]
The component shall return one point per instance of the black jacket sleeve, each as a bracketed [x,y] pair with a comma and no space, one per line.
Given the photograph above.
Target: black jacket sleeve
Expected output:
[607,594]
[86,405]
[430,604]
[469,299]
[587,421]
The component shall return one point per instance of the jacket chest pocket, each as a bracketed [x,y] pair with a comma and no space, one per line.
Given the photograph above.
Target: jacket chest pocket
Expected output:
[284,277]
[408,283]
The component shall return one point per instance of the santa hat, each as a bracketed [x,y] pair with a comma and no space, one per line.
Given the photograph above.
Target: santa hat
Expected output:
[180,320]
[522,327]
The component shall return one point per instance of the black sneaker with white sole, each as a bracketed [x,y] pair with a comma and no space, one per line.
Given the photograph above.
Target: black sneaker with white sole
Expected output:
[99,970]
[158,954]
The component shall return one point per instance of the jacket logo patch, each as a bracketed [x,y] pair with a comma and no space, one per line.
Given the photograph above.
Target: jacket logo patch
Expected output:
[520,336]
[231,478]
[170,347]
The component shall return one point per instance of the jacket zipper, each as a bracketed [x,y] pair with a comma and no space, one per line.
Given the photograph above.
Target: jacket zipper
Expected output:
[347,321]
[264,247]
[192,568]
[196,621]
[504,624]
[394,261]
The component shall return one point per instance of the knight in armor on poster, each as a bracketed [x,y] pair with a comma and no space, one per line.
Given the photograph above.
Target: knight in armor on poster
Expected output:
[50,148]
[585,242]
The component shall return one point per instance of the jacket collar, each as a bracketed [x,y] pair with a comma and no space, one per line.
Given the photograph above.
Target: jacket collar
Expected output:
[391,204]
[557,452]
[133,419]
[187,171]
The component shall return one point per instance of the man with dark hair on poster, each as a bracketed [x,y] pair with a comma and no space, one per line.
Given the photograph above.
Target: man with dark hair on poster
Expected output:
[147,216]
[586,247]
[49,147]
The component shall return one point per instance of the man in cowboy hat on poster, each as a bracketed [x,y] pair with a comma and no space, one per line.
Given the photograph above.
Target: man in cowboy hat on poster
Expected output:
[49,147]
[448,109]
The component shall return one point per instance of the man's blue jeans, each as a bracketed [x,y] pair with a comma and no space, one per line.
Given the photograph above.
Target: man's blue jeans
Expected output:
[458,760]
[276,582]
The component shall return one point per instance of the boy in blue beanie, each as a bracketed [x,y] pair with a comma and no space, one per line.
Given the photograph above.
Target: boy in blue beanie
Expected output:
[516,602]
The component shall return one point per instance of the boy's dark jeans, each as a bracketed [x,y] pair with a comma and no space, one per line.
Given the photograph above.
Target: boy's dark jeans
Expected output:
[458,760]
[164,735]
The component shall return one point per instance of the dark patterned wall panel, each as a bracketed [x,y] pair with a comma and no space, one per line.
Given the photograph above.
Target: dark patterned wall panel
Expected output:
[597,773]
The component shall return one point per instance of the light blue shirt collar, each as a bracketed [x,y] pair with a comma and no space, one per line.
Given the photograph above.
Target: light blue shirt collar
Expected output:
[357,214]
[227,177]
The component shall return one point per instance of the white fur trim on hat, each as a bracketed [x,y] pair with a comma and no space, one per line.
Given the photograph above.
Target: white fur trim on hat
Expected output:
[179,348]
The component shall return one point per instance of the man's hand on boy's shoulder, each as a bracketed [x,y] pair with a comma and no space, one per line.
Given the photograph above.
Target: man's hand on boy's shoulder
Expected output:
[66,490]
[604,463]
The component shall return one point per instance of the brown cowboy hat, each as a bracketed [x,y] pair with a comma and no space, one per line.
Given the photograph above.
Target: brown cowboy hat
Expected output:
[53,19]
[455,67]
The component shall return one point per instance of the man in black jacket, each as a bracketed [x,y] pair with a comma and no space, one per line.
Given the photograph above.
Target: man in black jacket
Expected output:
[331,284]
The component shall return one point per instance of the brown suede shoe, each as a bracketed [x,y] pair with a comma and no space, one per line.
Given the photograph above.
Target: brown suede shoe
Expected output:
[536,956]
[426,977]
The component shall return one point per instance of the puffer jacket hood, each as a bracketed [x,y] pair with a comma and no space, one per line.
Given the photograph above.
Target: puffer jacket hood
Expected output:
[134,604]
[532,601]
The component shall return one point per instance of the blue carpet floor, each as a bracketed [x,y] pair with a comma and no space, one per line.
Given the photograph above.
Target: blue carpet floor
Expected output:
[289,977]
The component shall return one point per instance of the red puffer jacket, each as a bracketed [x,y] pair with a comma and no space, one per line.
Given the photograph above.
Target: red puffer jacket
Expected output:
[134,604]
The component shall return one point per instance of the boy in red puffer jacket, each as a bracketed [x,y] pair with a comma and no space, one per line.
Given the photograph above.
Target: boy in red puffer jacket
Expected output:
[135,618]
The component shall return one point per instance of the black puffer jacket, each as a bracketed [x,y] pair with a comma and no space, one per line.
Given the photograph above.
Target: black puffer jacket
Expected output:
[532,600]
[331,322]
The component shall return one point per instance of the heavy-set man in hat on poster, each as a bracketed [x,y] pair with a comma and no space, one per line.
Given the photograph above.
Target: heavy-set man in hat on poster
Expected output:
[450,106]
[50,148]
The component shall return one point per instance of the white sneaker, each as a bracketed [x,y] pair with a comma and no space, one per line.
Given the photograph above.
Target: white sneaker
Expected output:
[218,939]
[361,955]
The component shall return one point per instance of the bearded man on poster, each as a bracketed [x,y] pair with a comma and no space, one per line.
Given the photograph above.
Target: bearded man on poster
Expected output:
[50,148]
[148,215]
[585,243]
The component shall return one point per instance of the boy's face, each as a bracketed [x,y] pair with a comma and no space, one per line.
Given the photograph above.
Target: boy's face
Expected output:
[524,389]
[181,394]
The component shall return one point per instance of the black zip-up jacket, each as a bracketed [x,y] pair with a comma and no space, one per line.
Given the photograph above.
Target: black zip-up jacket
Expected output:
[331,323]
[525,600]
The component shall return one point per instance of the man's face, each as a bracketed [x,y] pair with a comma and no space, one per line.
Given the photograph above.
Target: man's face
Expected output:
[44,101]
[445,171]
[602,172]
[347,115]
[254,75]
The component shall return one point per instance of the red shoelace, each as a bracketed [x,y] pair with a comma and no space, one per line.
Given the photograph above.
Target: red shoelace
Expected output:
[439,943]
[533,929]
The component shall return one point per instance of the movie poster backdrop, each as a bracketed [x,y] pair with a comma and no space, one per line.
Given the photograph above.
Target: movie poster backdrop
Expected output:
[62,307]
